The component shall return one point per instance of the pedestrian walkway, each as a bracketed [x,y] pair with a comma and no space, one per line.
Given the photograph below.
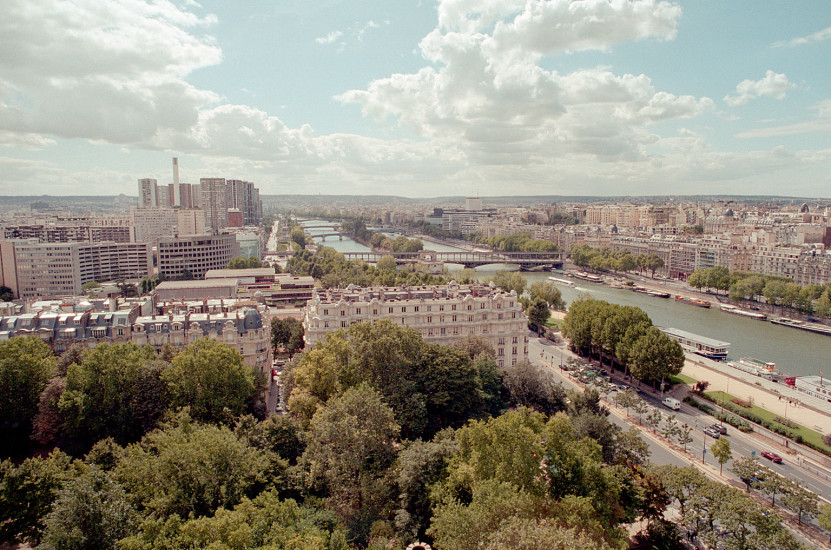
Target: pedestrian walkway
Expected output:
[776,398]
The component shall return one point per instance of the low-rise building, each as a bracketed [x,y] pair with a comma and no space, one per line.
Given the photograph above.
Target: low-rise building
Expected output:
[441,313]
[242,324]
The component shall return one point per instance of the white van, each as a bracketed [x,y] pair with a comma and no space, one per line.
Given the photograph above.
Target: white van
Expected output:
[672,403]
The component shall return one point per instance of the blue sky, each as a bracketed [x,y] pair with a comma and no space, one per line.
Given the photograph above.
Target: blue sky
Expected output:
[418,99]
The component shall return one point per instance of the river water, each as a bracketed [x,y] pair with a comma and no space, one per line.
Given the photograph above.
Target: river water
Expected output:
[795,352]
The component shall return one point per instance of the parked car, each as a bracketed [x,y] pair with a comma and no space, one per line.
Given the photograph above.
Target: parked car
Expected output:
[709,430]
[770,455]
[720,428]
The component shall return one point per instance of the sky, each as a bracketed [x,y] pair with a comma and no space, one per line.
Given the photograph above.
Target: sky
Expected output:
[418,98]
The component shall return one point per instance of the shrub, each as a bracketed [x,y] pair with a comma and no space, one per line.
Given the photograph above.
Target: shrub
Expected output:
[786,422]
[827,439]
[741,403]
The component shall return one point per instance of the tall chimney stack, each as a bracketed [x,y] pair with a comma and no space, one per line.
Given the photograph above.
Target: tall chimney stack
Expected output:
[175,170]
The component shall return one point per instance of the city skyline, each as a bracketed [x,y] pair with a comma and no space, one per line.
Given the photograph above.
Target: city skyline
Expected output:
[425,100]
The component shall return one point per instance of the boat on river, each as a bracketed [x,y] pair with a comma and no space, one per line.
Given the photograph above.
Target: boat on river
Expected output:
[756,367]
[692,301]
[650,292]
[582,275]
[727,308]
[558,281]
[695,343]
[802,325]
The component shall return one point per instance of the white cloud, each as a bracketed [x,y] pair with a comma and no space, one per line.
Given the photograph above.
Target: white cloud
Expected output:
[99,69]
[818,36]
[489,96]
[822,123]
[329,38]
[773,85]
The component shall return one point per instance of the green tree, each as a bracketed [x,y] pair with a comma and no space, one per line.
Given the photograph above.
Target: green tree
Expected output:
[510,280]
[419,465]
[350,446]
[824,519]
[698,279]
[800,501]
[538,312]
[721,450]
[653,263]
[823,305]
[264,523]
[531,386]
[115,391]
[210,377]
[387,263]
[718,277]
[684,436]
[27,492]
[91,511]
[746,468]
[547,291]
[287,333]
[297,235]
[6,294]
[654,356]
[185,468]
[26,365]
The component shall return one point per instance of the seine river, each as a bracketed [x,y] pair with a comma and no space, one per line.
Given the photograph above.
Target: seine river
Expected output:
[795,352]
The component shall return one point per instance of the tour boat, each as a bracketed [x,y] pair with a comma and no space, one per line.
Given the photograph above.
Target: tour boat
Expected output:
[802,325]
[559,281]
[701,345]
[727,308]
[756,367]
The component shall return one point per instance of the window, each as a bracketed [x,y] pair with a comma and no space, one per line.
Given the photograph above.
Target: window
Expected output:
[375,312]
[343,313]
[482,305]
[429,318]
[513,351]
[343,324]
[429,308]
[501,352]
[415,308]
[390,310]
[325,312]
[358,311]
[454,318]
[469,307]
[453,307]
[403,309]
[500,317]
[443,331]
[441,308]
[501,341]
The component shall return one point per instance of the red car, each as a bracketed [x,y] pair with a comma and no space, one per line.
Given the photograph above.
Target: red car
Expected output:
[772,456]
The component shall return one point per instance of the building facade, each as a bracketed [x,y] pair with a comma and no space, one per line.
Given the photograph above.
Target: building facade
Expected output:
[195,254]
[441,313]
[44,270]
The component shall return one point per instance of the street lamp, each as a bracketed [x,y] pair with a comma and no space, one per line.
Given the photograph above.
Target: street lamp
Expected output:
[704,448]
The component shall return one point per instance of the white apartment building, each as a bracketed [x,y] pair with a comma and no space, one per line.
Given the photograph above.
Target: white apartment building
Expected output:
[441,313]
[151,224]
[195,254]
[45,270]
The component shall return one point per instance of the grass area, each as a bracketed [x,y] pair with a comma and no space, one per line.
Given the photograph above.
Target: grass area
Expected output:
[807,434]
[552,322]
[682,379]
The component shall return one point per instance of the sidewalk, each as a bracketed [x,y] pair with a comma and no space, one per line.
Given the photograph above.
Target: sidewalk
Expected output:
[783,402]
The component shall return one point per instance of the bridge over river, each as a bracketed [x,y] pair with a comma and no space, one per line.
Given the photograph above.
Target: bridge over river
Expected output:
[525,260]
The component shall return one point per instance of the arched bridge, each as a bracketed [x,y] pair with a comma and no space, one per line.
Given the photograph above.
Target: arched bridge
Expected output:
[525,260]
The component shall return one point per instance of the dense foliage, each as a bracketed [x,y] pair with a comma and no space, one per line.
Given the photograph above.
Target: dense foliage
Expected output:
[389,440]
[624,335]
[334,271]
[605,259]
